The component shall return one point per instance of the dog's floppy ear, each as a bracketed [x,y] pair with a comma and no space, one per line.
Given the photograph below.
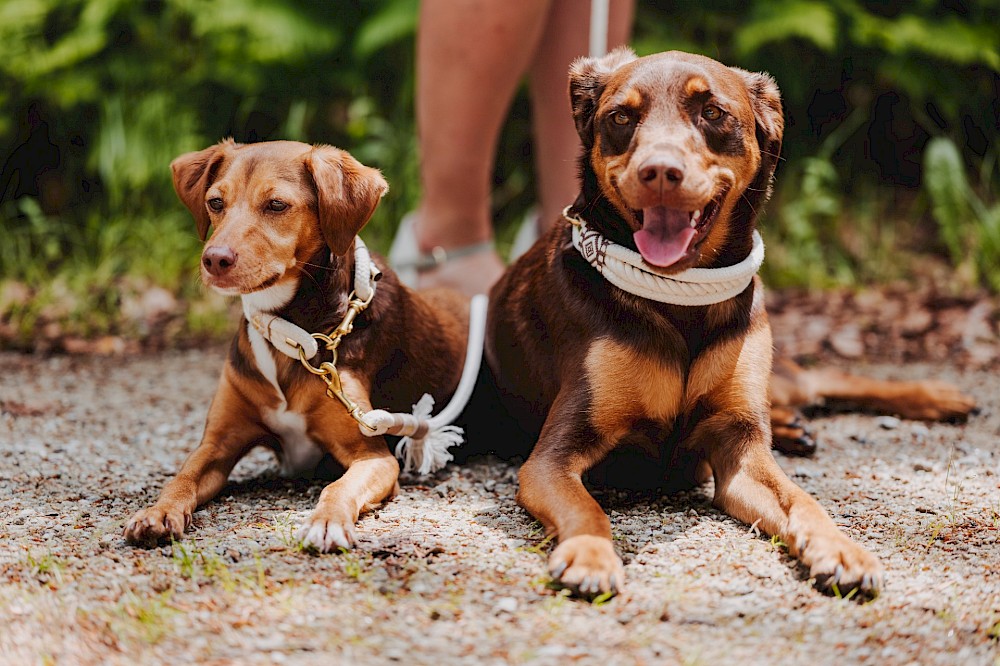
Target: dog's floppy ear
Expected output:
[587,78]
[193,174]
[769,127]
[347,193]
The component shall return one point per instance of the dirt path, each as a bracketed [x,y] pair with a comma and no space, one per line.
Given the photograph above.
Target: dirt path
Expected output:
[452,571]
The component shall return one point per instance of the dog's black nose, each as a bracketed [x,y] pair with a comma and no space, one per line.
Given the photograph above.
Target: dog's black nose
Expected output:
[218,259]
[661,173]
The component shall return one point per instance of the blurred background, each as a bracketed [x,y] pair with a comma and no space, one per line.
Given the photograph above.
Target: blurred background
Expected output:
[890,174]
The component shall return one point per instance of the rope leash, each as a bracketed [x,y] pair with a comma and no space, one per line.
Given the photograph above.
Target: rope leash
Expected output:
[426,439]
[627,270]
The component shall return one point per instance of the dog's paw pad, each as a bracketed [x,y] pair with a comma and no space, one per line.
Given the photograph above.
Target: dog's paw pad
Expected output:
[588,566]
[326,536]
[843,568]
[150,526]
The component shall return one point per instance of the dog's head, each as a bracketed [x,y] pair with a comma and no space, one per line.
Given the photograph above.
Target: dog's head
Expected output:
[682,147]
[272,207]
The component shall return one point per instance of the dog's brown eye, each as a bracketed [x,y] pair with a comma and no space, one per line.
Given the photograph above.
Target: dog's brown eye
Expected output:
[215,204]
[621,118]
[277,205]
[712,112]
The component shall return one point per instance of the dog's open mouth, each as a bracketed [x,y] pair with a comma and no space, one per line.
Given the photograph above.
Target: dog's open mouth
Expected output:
[670,234]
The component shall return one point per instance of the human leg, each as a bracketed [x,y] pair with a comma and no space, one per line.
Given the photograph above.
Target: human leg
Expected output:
[556,144]
[471,54]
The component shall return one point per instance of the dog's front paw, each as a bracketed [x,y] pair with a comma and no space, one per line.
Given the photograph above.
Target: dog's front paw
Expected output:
[587,565]
[326,534]
[155,524]
[839,566]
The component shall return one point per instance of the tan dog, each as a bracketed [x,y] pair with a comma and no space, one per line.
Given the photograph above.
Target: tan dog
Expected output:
[285,217]
[678,156]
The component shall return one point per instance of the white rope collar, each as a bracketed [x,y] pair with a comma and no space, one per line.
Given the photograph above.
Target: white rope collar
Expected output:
[627,270]
[425,438]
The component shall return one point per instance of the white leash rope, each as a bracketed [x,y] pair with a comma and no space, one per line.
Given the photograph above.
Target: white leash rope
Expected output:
[599,10]
[426,438]
[424,451]
[627,270]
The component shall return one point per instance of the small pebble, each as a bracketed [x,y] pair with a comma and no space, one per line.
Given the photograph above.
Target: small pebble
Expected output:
[505,605]
[888,422]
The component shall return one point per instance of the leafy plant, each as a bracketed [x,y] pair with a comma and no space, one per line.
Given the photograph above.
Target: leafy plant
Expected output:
[810,206]
[969,225]
[108,92]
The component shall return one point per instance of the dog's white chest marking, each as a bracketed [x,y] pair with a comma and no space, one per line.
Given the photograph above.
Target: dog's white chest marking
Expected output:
[300,454]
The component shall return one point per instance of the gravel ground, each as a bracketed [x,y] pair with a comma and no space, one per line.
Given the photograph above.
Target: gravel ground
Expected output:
[452,571]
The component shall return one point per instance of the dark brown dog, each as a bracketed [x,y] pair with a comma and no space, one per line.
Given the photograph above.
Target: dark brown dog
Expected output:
[590,367]
[285,217]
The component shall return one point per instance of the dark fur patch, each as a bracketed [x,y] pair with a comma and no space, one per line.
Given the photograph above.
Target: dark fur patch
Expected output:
[615,138]
[724,137]
[238,359]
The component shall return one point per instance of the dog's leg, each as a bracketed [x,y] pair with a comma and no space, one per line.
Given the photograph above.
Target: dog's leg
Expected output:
[927,400]
[551,490]
[750,486]
[230,432]
[370,476]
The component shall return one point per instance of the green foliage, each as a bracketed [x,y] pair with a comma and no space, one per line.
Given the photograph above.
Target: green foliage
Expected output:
[143,619]
[969,226]
[776,22]
[119,88]
[809,209]
[47,569]
[394,21]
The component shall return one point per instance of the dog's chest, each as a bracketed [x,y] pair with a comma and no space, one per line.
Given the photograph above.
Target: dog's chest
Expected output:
[300,454]
[626,386]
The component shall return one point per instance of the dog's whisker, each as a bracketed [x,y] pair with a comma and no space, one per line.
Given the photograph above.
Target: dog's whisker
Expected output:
[325,268]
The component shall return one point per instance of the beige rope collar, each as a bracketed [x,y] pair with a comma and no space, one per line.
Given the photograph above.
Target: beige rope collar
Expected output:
[627,270]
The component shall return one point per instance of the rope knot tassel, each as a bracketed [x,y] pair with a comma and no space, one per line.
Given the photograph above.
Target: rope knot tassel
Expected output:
[424,445]
[426,440]
[428,452]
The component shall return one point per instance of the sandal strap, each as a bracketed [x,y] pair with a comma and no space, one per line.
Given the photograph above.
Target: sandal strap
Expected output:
[439,255]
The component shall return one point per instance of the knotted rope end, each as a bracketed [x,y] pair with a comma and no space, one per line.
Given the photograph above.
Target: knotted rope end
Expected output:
[423,449]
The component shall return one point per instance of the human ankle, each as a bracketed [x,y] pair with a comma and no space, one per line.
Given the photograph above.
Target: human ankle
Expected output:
[450,230]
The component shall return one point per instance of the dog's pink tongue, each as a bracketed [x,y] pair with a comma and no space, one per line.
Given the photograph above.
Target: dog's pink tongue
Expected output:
[665,235]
